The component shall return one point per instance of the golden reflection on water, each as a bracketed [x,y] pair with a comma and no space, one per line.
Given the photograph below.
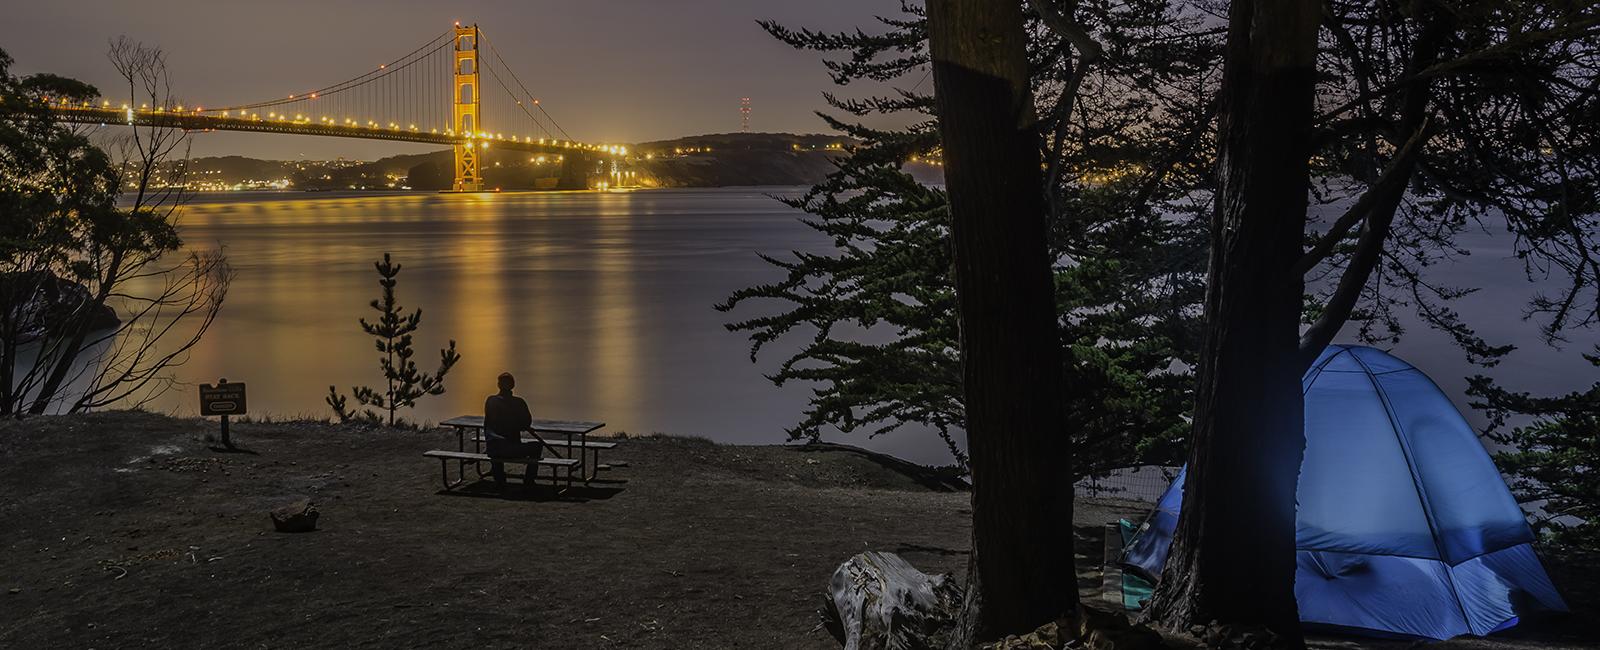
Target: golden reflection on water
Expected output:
[614,320]
[539,284]
[600,303]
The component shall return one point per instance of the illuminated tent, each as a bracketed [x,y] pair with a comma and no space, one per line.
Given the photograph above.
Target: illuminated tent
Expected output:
[1403,526]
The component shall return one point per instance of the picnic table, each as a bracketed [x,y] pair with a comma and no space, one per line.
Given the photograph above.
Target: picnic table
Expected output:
[573,442]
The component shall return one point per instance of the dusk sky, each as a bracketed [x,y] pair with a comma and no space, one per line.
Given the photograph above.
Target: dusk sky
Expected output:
[608,71]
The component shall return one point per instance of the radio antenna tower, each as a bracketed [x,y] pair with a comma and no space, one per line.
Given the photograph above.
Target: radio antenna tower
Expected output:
[744,114]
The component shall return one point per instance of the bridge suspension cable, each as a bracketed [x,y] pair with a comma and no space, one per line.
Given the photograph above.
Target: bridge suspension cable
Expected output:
[409,93]
[526,95]
[432,94]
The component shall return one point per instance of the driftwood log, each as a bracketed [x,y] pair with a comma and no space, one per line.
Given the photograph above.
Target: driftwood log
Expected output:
[878,601]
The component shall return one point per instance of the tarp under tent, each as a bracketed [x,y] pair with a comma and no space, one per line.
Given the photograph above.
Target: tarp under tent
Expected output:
[1403,524]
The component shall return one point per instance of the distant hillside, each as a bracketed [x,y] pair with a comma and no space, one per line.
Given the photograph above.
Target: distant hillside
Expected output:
[749,142]
[729,159]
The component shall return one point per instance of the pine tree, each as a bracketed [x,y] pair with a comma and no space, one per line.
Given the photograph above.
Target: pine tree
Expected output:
[1553,461]
[404,384]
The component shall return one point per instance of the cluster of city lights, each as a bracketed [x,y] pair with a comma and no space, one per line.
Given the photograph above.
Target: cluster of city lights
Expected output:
[832,146]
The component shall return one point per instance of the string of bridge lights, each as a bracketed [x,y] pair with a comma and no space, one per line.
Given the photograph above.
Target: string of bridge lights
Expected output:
[256,114]
[483,138]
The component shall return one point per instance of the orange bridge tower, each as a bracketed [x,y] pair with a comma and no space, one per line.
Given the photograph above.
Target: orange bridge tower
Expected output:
[467,96]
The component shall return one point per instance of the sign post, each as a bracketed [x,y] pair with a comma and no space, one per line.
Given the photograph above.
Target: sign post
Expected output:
[223,399]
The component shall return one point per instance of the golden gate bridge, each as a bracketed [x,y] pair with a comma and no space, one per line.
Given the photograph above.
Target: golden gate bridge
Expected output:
[432,94]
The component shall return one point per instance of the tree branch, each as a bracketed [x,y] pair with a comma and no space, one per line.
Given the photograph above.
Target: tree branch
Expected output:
[1394,177]
[1381,203]
[1089,50]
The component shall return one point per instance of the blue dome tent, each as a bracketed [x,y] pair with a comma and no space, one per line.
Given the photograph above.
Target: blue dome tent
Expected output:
[1403,524]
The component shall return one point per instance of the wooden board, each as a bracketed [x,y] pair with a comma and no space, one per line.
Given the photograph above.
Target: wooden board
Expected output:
[542,426]
[557,442]
[469,456]
[1111,565]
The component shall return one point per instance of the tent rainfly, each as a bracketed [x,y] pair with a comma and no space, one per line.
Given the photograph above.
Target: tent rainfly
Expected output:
[1403,524]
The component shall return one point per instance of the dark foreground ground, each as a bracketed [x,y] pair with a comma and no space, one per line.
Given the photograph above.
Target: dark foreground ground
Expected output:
[126,530]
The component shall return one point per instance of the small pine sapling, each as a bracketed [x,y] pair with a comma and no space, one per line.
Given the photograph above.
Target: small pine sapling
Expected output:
[404,384]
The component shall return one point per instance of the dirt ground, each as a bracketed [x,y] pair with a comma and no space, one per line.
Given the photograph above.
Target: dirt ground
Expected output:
[128,530]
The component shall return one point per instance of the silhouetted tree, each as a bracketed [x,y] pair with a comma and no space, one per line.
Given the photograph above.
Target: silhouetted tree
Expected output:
[1127,140]
[1018,576]
[1233,557]
[69,248]
[1554,459]
[404,383]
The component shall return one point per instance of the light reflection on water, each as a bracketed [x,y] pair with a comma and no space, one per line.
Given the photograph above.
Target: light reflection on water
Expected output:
[600,303]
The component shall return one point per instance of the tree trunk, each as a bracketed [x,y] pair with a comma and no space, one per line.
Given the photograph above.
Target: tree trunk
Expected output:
[63,364]
[1233,556]
[1020,573]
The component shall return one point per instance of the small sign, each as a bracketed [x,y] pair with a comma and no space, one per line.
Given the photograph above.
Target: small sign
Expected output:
[222,399]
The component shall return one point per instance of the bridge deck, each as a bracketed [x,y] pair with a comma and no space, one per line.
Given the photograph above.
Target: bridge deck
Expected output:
[202,122]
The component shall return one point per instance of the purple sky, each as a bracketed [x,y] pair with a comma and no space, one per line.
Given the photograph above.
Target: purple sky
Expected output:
[651,69]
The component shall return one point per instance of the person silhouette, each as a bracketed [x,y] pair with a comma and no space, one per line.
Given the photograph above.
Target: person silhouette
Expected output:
[505,417]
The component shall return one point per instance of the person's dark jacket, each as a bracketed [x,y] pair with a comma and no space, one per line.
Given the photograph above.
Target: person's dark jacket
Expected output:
[505,416]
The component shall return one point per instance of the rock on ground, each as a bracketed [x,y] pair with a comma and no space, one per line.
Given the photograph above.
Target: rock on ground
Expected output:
[298,517]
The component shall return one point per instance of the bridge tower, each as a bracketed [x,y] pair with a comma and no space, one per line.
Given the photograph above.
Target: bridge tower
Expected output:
[466,99]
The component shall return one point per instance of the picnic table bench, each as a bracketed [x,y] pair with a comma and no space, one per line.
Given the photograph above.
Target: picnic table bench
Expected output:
[573,452]
[529,465]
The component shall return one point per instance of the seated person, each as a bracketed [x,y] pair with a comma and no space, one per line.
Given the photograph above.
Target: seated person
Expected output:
[505,417]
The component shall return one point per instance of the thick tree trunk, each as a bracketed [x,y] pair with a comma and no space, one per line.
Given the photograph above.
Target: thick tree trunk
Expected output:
[1020,573]
[1233,557]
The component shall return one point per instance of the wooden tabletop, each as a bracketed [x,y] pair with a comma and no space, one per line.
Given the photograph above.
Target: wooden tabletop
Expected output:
[546,426]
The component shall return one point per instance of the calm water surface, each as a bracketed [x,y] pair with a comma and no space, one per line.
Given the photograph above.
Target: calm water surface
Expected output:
[601,304]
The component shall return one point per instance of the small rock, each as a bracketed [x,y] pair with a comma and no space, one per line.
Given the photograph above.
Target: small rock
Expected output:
[14,590]
[298,517]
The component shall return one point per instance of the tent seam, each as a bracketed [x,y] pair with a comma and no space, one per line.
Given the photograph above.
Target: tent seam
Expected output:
[1305,385]
[1416,483]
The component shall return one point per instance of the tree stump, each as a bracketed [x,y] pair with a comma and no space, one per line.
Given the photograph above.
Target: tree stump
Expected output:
[878,601]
